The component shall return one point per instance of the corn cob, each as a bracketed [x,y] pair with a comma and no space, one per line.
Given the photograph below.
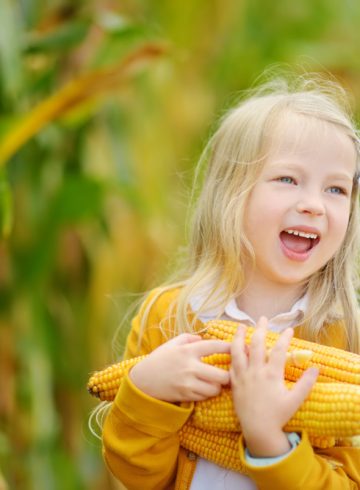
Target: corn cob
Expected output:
[104,384]
[333,364]
[331,410]
[221,448]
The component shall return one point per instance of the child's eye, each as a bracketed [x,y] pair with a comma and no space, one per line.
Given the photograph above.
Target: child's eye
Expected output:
[286,180]
[337,190]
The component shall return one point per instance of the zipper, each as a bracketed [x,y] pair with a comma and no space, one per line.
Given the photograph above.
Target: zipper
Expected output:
[192,458]
[183,481]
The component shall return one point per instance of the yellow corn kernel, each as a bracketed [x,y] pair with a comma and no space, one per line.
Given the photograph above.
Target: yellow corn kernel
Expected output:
[356,441]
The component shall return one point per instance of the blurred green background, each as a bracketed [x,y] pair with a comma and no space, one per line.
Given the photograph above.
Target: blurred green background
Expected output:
[105,107]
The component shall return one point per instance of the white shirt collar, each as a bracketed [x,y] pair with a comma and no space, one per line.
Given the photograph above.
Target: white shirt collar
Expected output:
[278,323]
[232,312]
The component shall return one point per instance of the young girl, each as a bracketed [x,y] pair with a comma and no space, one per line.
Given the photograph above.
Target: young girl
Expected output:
[274,236]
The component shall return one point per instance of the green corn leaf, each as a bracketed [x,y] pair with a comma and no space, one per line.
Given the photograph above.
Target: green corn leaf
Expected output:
[10,51]
[6,207]
[65,37]
[79,198]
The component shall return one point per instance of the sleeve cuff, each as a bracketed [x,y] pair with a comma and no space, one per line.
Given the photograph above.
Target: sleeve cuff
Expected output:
[294,440]
[155,417]
[283,474]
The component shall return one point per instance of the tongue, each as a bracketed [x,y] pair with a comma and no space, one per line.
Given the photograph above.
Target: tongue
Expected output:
[295,243]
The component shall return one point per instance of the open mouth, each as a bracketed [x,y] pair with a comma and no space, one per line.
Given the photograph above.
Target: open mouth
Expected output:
[299,241]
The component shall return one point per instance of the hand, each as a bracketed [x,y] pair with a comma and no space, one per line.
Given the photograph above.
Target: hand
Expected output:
[174,371]
[262,402]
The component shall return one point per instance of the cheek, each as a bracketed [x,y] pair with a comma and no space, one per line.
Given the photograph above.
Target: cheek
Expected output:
[260,205]
[339,225]
[261,223]
[343,217]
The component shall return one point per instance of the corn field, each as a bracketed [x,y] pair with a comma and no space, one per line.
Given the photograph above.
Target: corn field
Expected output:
[105,108]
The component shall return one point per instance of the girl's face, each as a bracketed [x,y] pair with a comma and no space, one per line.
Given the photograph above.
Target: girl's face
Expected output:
[298,211]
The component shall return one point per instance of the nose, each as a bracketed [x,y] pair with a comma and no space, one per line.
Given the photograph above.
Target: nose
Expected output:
[310,203]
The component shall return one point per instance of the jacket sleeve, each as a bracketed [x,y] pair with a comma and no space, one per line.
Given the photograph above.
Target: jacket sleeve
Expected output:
[140,440]
[336,468]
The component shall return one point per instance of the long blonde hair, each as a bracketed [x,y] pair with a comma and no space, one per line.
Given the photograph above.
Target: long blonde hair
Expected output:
[233,159]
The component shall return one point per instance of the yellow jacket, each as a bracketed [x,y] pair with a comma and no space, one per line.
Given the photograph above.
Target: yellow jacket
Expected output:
[141,445]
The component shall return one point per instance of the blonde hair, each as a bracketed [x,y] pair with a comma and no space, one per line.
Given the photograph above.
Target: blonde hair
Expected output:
[233,158]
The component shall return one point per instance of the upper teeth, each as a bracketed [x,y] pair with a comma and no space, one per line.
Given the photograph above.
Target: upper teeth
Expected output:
[302,233]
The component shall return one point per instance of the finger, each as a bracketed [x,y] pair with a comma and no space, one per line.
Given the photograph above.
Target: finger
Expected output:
[204,390]
[208,347]
[213,374]
[277,355]
[239,351]
[303,386]
[184,338]
[257,349]
[195,397]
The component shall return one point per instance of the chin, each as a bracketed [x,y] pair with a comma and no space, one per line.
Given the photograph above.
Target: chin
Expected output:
[292,280]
